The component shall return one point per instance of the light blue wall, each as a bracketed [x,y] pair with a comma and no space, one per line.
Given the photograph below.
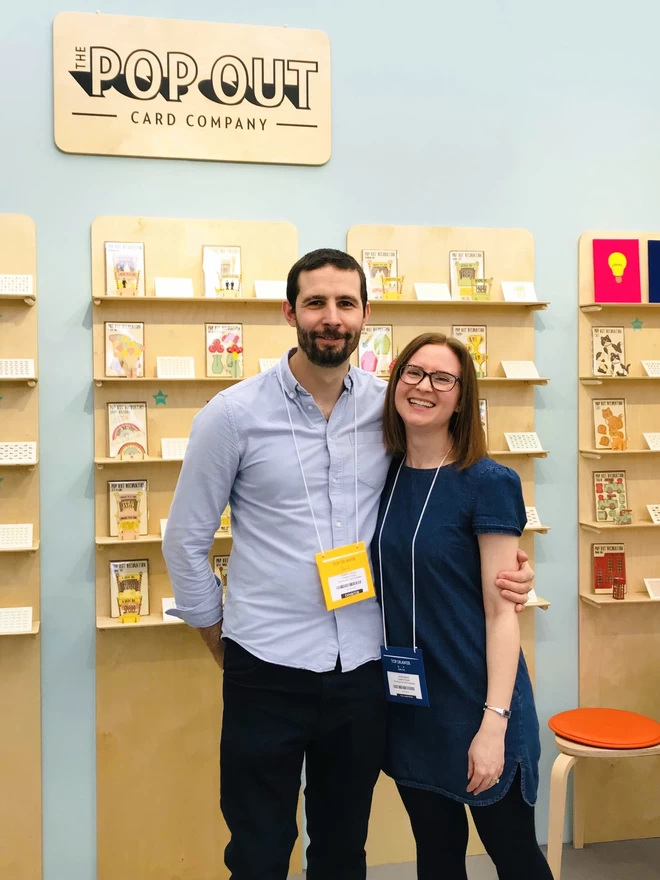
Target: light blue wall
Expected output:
[498,113]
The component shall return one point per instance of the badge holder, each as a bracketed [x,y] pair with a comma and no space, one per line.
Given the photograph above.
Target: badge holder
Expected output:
[345,575]
[405,679]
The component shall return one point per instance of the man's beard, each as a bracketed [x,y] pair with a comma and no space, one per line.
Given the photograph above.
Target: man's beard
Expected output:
[327,357]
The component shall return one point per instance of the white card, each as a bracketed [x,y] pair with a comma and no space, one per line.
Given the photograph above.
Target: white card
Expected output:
[18,453]
[15,620]
[175,367]
[16,536]
[432,292]
[17,368]
[16,285]
[653,587]
[267,364]
[270,289]
[173,448]
[518,291]
[652,368]
[403,684]
[654,511]
[653,440]
[532,517]
[167,605]
[520,370]
[182,287]
[526,441]
[163,526]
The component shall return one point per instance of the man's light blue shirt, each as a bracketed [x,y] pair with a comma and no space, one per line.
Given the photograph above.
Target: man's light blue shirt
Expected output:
[241,451]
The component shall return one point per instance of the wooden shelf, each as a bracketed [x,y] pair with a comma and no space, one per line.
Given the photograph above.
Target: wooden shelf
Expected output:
[100,462]
[539,602]
[36,625]
[18,381]
[277,303]
[30,465]
[599,307]
[500,453]
[599,380]
[104,541]
[591,526]
[122,379]
[32,549]
[155,619]
[18,297]
[539,530]
[631,599]
[598,453]
[505,380]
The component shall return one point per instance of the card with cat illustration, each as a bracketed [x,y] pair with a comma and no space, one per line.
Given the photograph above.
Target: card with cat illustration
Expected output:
[610,425]
[608,351]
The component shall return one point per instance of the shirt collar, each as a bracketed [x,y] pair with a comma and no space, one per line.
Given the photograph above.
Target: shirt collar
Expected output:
[293,387]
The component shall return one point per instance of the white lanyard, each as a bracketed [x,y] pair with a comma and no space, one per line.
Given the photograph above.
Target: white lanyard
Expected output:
[380,555]
[302,472]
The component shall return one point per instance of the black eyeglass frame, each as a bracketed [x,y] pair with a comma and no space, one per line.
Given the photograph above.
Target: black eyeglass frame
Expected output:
[402,372]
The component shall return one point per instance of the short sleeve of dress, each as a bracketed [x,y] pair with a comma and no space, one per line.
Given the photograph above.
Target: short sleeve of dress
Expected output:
[498,506]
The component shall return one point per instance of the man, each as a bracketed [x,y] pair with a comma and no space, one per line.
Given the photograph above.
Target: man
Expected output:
[298,453]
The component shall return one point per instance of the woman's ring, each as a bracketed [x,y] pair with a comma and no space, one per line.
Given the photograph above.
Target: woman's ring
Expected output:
[496,781]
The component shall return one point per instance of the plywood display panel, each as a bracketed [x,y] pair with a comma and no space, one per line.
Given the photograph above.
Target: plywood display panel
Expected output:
[620,641]
[423,256]
[20,733]
[158,689]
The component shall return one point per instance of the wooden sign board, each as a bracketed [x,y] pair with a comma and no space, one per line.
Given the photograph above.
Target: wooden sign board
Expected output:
[161,88]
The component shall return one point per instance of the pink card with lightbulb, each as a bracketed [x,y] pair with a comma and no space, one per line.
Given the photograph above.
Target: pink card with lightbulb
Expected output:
[616,270]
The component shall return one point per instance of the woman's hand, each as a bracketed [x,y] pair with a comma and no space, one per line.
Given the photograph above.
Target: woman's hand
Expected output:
[515,585]
[486,757]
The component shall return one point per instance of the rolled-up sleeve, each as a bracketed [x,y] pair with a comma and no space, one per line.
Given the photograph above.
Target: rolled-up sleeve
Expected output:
[207,475]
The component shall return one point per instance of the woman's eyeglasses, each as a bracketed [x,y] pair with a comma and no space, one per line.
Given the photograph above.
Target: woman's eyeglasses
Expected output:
[440,381]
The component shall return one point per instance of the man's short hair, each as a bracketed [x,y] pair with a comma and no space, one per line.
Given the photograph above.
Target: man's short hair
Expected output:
[317,260]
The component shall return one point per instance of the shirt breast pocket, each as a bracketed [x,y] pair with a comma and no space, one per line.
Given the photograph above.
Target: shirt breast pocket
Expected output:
[372,460]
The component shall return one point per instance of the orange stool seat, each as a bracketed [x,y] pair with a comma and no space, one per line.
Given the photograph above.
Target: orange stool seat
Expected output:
[606,728]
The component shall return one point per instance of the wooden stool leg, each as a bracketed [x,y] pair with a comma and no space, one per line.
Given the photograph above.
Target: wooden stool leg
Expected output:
[579,804]
[558,779]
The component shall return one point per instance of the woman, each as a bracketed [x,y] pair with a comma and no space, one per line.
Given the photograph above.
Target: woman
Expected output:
[449,520]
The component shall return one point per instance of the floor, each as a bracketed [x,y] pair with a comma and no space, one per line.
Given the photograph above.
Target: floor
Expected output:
[624,860]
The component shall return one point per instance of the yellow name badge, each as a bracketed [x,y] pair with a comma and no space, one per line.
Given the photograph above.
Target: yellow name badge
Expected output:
[345,575]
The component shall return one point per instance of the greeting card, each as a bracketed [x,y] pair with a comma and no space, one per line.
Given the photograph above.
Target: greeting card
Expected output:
[124,350]
[224,350]
[616,270]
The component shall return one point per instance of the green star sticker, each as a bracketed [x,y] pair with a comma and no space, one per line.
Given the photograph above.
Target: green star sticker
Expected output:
[637,324]
[160,398]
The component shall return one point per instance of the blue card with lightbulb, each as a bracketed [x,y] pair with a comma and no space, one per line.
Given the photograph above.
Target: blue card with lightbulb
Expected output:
[654,271]
[405,679]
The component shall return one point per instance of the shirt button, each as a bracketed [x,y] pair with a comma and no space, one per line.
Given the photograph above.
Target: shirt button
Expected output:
[309,406]
[334,479]
[292,394]
[338,524]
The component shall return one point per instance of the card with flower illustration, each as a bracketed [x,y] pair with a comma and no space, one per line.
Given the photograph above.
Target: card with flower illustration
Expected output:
[124,349]
[378,265]
[124,268]
[222,271]
[375,350]
[224,350]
